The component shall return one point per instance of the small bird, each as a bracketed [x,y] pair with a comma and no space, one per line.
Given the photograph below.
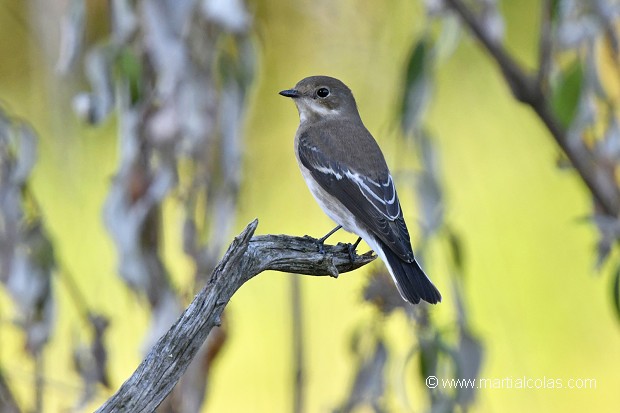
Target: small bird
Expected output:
[346,172]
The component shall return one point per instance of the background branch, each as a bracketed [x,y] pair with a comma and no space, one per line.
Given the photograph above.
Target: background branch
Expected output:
[527,89]
[246,257]
[8,404]
[297,327]
[544,45]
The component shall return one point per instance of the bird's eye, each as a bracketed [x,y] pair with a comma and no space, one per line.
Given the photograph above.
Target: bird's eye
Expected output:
[322,92]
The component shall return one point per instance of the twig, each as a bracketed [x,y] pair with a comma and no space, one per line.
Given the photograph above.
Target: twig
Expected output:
[39,382]
[544,45]
[298,346]
[246,257]
[7,400]
[527,89]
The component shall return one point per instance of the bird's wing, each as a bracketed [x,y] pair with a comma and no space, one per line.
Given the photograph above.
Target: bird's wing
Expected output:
[373,202]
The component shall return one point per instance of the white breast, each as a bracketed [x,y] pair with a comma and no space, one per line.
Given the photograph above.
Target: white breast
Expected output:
[331,206]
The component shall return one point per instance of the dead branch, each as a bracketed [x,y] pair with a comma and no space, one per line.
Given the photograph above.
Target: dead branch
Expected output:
[246,257]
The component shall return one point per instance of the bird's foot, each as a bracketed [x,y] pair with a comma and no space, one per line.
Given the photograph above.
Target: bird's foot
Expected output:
[321,241]
[320,245]
[352,248]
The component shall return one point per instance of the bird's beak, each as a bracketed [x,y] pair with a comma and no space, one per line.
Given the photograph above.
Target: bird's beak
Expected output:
[290,93]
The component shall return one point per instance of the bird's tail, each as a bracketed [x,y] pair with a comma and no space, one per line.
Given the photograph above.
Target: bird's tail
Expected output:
[412,282]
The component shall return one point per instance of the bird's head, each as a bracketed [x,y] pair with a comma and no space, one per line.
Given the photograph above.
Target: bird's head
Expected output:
[322,97]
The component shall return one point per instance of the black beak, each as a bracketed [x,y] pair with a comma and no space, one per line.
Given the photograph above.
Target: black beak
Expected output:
[290,93]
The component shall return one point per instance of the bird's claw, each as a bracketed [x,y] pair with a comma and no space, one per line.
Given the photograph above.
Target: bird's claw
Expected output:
[352,248]
[320,247]
[352,254]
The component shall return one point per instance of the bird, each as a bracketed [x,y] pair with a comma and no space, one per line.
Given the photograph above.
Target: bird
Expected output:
[347,174]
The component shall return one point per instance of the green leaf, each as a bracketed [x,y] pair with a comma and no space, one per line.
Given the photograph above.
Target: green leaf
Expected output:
[416,64]
[129,68]
[428,356]
[415,89]
[566,93]
[555,10]
[456,247]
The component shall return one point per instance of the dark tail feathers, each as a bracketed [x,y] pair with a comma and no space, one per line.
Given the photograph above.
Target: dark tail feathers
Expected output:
[410,279]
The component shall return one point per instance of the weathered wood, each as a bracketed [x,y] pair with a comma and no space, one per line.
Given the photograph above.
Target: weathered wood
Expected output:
[246,257]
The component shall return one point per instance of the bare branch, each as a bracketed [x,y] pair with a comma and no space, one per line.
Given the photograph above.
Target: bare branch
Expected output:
[246,257]
[523,87]
[7,400]
[544,45]
[297,327]
[598,178]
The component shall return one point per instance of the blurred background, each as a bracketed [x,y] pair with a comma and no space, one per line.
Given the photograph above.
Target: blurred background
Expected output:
[138,138]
